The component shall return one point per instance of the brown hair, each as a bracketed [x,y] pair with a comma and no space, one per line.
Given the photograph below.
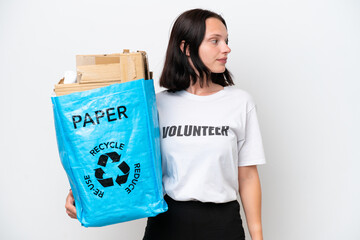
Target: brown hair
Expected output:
[177,73]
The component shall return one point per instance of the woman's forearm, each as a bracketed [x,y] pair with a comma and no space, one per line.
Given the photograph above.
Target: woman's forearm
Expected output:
[250,194]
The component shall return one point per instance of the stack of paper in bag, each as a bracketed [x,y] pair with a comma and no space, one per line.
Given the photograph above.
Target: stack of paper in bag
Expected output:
[94,71]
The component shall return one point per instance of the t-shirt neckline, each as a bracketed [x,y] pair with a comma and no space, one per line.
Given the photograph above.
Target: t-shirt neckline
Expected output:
[215,95]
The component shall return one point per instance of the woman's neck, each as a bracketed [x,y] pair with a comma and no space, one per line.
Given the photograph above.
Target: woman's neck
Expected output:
[206,89]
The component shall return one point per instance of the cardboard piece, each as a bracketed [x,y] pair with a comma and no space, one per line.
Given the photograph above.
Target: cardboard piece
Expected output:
[82,60]
[101,70]
[121,67]
[63,89]
[99,73]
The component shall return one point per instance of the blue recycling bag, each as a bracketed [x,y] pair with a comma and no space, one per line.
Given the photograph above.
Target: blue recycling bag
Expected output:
[109,146]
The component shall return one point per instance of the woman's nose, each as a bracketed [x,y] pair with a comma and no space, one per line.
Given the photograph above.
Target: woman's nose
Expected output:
[226,48]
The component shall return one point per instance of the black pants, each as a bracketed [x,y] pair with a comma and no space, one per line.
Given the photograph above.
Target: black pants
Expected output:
[193,220]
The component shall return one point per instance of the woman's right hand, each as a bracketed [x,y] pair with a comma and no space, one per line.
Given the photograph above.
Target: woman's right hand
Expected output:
[70,205]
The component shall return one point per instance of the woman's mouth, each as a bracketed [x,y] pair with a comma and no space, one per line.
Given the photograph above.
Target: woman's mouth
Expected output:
[222,60]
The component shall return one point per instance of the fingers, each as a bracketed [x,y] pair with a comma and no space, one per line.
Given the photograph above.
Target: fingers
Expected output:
[70,205]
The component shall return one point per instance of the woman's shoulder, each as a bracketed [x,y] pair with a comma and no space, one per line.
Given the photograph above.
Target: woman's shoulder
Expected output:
[166,94]
[163,94]
[238,93]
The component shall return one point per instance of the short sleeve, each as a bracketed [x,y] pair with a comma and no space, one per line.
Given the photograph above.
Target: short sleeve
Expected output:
[251,151]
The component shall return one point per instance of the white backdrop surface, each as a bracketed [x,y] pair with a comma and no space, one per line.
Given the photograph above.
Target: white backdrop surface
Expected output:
[299,59]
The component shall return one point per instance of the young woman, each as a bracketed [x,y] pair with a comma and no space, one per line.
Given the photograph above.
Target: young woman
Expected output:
[210,139]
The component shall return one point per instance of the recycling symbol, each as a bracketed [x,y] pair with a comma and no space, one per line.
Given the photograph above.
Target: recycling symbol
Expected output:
[104,162]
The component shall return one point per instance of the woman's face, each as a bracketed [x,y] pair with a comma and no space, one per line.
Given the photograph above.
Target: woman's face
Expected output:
[213,50]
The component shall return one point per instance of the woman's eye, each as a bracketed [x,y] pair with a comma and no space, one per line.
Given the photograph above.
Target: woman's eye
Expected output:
[215,41]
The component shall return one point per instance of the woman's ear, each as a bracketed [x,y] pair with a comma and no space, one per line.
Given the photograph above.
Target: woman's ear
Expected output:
[182,44]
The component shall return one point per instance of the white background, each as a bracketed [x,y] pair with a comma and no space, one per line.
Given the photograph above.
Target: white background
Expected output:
[299,59]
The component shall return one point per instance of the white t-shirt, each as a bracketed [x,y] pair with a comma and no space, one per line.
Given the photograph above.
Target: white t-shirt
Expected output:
[204,139]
